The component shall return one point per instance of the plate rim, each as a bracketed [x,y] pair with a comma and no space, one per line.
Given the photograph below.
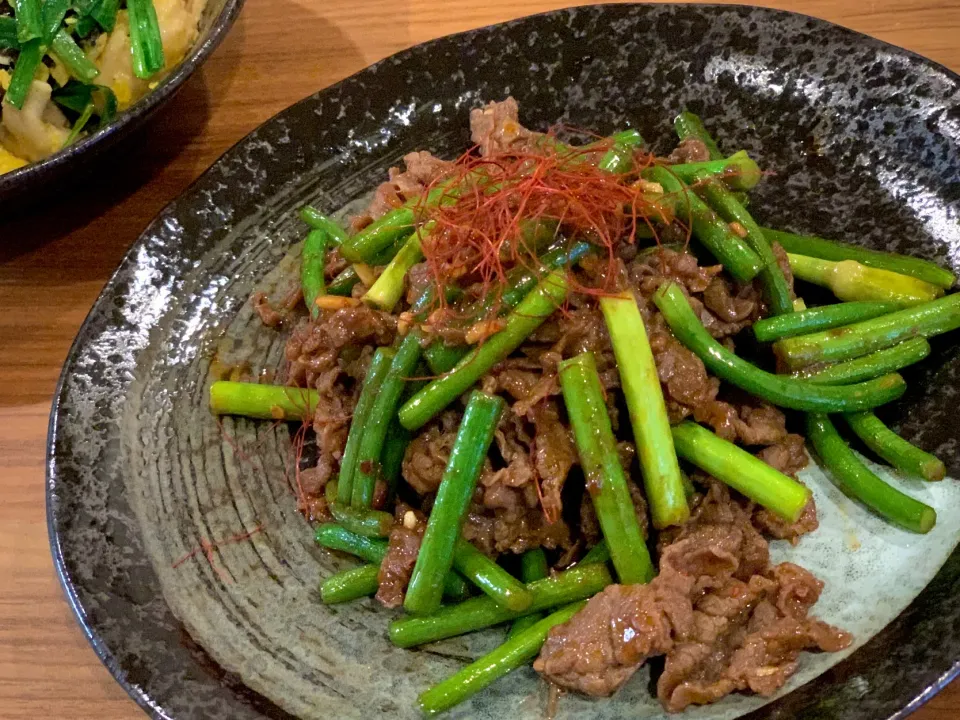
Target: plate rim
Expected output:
[919,696]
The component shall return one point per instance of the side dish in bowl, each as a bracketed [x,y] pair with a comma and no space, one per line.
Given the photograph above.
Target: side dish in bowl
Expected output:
[91,87]
[69,68]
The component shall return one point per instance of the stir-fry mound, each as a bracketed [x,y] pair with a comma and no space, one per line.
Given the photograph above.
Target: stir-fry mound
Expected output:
[521,371]
[725,619]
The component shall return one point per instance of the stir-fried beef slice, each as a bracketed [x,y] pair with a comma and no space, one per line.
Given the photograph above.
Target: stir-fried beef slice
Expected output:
[683,377]
[721,504]
[331,416]
[312,481]
[334,264]
[426,457]
[601,647]
[690,150]
[310,497]
[526,528]
[421,168]
[507,514]
[589,522]
[514,442]
[789,456]
[724,309]
[695,667]
[419,278]
[275,312]
[523,380]
[318,344]
[761,425]
[719,415]
[724,618]
[479,527]
[496,127]
[512,493]
[798,590]
[710,542]
[725,312]
[402,549]
[747,424]
[582,329]
[649,270]
[268,316]
[768,656]
[516,376]
[775,526]
[554,455]
[749,637]
[360,325]
[330,354]
[516,525]
[690,390]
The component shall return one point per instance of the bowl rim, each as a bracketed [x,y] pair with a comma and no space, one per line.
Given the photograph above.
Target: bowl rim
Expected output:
[133,116]
[918,696]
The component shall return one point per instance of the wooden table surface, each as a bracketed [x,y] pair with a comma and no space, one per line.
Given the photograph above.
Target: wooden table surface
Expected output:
[53,264]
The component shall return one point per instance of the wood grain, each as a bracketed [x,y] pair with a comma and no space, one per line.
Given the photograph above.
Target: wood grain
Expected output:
[53,263]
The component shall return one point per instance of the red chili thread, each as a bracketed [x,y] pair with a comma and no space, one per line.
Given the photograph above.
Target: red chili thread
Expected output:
[207,548]
[481,232]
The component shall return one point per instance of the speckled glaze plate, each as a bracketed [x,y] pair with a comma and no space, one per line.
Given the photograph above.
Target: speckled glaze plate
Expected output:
[178,541]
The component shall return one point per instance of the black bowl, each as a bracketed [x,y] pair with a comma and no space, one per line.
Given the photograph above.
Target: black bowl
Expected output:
[217,19]
[864,138]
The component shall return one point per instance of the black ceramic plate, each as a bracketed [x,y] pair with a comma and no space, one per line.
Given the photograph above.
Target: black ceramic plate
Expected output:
[864,140]
[218,16]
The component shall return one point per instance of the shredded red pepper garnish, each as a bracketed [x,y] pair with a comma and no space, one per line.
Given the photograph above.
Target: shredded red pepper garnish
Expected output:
[479,235]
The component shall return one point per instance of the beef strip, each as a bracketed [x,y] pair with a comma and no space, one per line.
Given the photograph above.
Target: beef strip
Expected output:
[750,639]
[268,316]
[334,264]
[330,354]
[316,344]
[522,499]
[690,150]
[507,514]
[496,127]
[601,647]
[649,270]
[725,619]
[426,457]
[274,314]
[554,455]
[402,550]
[788,455]
[690,391]
[421,169]
[725,310]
